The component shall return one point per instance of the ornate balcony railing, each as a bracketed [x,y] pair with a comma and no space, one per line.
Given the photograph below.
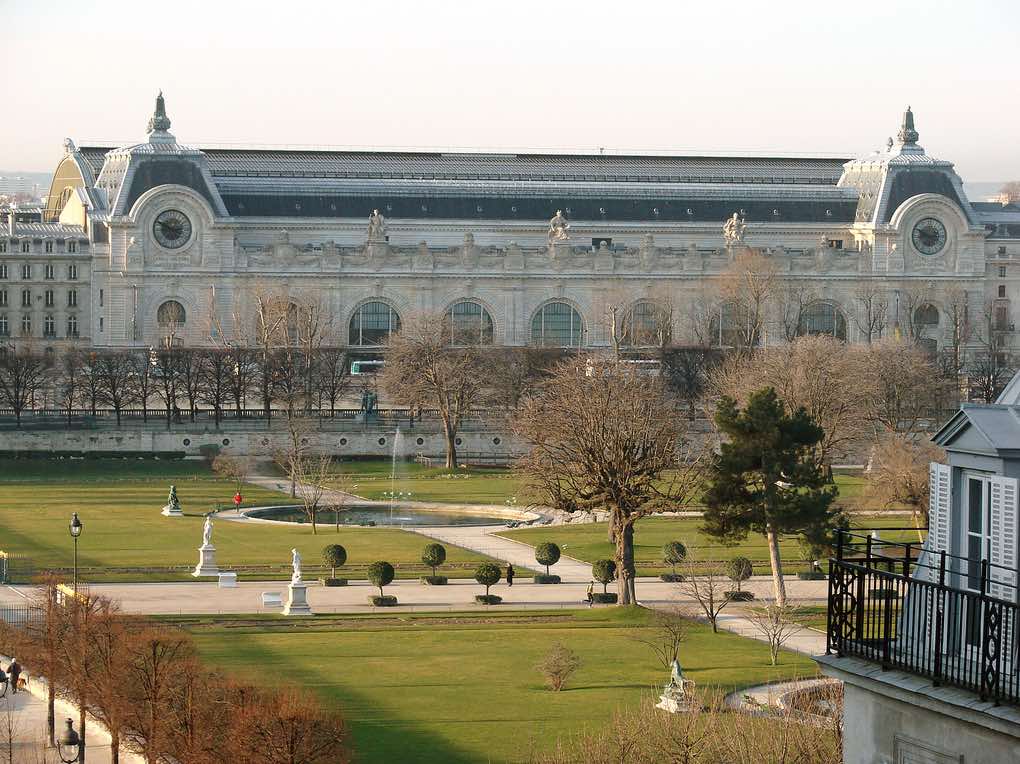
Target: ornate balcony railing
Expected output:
[932,615]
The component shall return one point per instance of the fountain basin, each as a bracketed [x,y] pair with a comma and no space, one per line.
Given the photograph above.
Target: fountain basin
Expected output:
[399,516]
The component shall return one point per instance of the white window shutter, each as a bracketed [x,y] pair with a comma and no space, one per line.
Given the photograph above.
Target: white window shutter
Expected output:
[940,490]
[1002,551]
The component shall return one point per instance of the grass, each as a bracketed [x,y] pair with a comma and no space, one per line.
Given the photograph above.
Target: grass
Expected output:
[459,688]
[589,542]
[127,539]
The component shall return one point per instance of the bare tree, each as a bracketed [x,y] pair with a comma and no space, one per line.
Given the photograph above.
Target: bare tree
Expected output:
[244,369]
[109,635]
[668,632]
[272,310]
[191,370]
[750,285]
[794,297]
[872,314]
[235,468]
[332,375]
[516,372]
[91,380]
[706,582]
[906,385]
[603,437]
[215,381]
[70,383]
[775,623]
[819,373]
[22,374]
[117,375]
[897,475]
[423,369]
[912,298]
[558,666]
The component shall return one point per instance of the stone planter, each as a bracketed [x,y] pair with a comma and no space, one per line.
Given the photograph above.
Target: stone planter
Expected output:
[812,575]
[434,580]
[488,599]
[333,581]
[671,578]
[384,601]
[741,596]
[604,598]
[543,578]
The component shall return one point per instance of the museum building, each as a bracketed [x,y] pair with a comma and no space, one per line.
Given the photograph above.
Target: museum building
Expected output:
[520,248]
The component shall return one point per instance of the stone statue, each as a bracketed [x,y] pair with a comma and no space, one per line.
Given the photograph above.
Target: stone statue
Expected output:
[676,675]
[677,693]
[207,531]
[376,226]
[171,500]
[295,563]
[733,230]
[558,227]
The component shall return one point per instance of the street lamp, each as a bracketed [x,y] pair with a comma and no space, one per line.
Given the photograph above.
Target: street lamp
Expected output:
[75,527]
[71,745]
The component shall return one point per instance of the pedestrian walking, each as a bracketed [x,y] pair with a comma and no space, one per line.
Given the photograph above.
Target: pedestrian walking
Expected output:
[509,574]
[14,671]
[591,593]
[3,682]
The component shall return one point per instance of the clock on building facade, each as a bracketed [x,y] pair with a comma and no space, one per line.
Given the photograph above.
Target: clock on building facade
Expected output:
[172,229]
[929,236]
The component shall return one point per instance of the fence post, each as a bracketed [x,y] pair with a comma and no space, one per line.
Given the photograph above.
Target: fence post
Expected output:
[939,619]
[982,615]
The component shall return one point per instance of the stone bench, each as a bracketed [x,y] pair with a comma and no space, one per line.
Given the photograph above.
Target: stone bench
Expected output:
[227,580]
[272,599]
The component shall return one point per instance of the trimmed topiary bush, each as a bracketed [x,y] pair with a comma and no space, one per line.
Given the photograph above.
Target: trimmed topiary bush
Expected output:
[739,595]
[380,574]
[384,601]
[673,554]
[434,555]
[604,598]
[487,574]
[547,554]
[739,569]
[604,571]
[334,556]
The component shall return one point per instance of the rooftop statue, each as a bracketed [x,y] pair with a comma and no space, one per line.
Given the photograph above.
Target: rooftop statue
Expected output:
[733,230]
[376,226]
[558,228]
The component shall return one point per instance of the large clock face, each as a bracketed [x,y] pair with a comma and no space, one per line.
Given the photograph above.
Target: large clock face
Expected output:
[929,236]
[172,229]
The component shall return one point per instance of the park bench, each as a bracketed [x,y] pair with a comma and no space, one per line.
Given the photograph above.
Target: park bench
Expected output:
[272,599]
[227,580]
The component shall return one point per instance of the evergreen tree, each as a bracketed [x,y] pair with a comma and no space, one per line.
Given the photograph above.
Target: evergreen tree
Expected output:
[765,478]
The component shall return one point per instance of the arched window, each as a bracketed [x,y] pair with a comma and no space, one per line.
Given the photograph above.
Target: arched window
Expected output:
[470,324]
[729,326]
[644,325]
[926,315]
[823,318]
[373,323]
[557,325]
[171,312]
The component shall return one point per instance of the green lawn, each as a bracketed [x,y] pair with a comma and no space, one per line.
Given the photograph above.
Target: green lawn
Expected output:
[589,542]
[469,485]
[459,688]
[126,537]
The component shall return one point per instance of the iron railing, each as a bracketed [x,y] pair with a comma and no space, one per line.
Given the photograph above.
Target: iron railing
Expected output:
[931,615]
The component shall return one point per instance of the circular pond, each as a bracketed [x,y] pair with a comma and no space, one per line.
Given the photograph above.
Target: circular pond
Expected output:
[356,514]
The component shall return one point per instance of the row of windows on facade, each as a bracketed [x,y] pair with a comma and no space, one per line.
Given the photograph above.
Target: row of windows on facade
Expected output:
[70,247]
[49,326]
[558,324]
[49,298]
[49,272]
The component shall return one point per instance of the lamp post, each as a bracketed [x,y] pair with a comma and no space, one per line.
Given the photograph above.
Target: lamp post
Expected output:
[75,527]
[71,745]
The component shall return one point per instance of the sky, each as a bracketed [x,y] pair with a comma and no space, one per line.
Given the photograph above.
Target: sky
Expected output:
[781,77]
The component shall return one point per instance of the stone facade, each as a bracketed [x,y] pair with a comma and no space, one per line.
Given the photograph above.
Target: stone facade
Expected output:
[207,229]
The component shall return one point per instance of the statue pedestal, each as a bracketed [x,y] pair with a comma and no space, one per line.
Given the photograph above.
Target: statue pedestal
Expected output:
[297,600]
[676,700]
[172,510]
[206,562]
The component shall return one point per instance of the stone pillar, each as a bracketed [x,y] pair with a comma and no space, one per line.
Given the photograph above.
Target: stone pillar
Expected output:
[297,600]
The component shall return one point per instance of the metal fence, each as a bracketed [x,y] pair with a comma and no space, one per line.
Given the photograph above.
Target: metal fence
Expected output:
[19,615]
[930,615]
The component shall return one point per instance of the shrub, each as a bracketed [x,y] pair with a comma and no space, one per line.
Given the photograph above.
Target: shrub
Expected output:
[739,569]
[673,554]
[434,555]
[380,574]
[604,598]
[558,665]
[487,574]
[434,580]
[488,599]
[334,556]
[547,554]
[383,601]
[739,596]
[604,571]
